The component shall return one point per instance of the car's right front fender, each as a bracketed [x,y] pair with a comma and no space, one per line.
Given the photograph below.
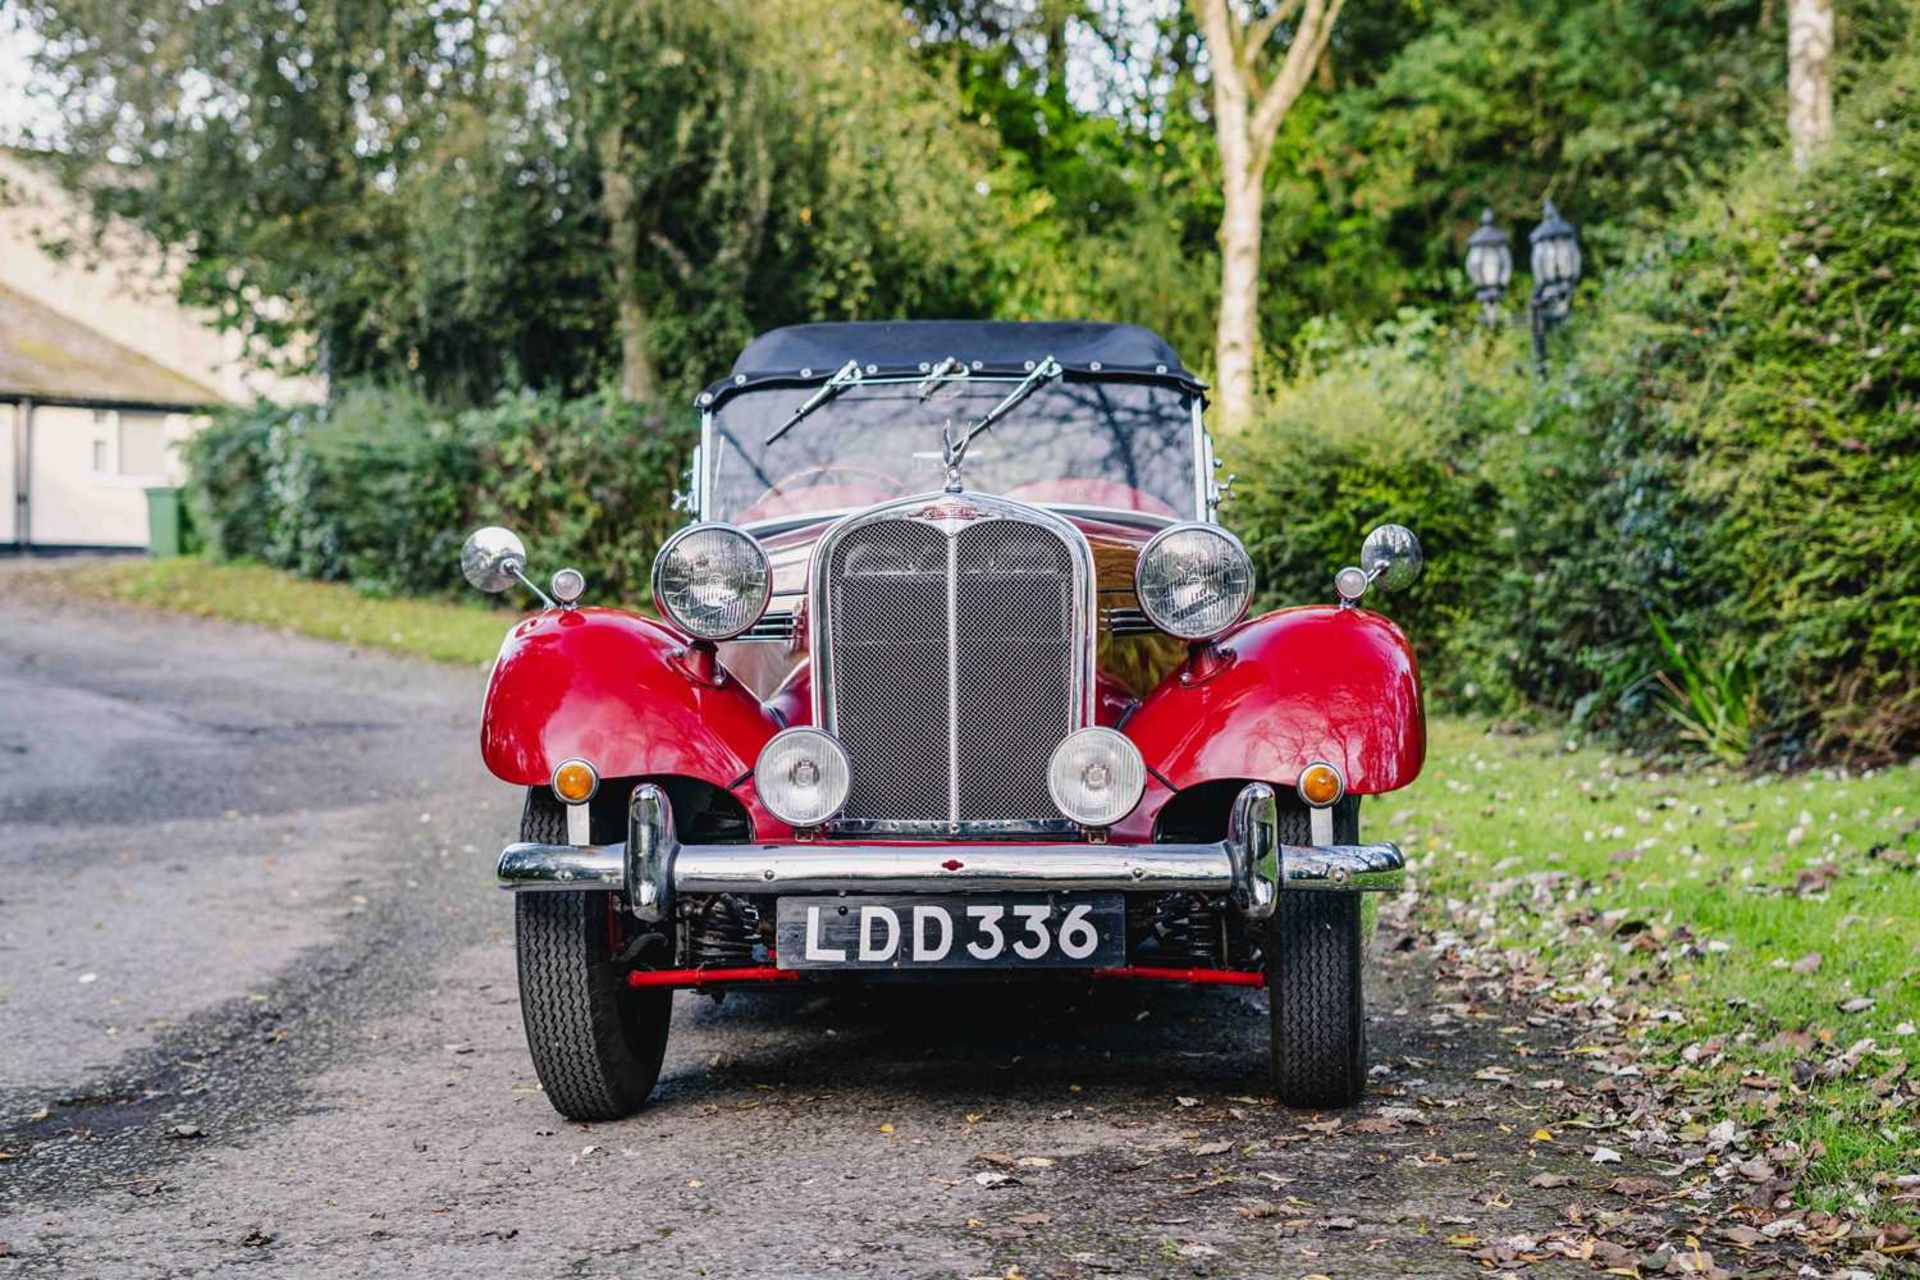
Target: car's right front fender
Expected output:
[618,691]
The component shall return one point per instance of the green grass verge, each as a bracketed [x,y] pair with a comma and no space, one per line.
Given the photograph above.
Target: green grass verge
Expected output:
[1691,902]
[1740,934]
[437,629]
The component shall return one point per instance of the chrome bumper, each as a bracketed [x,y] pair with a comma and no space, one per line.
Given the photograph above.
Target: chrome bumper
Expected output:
[1250,865]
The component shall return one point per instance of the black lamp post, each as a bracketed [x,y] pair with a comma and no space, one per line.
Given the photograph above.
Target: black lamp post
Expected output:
[1556,269]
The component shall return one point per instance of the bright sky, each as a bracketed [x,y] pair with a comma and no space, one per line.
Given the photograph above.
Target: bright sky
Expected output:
[19,115]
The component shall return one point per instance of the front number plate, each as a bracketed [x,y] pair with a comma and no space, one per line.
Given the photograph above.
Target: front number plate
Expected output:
[988,931]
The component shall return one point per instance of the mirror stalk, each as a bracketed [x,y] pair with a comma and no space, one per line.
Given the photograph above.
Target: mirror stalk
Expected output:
[534,587]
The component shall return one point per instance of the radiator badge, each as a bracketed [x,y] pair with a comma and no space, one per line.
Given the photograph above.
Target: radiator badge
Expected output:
[948,515]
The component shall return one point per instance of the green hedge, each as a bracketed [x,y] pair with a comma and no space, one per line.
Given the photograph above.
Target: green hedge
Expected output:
[1726,446]
[380,490]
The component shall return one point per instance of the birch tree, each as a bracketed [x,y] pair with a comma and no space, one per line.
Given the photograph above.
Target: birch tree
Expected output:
[1809,78]
[1251,98]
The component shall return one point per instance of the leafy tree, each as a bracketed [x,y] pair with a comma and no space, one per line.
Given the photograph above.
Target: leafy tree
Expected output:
[526,193]
[270,141]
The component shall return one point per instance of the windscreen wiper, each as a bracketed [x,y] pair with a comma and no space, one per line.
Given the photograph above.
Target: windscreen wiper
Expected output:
[954,449]
[1042,372]
[849,375]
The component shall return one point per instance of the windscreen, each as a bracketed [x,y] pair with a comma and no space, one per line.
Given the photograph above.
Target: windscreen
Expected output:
[1122,446]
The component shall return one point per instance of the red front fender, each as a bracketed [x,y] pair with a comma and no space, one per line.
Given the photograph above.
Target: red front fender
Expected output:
[1298,685]
[610,688]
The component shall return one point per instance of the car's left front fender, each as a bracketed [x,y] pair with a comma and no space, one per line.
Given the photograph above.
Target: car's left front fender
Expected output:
[1316,682]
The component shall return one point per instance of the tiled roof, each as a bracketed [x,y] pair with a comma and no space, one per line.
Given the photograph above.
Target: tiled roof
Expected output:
[45,355]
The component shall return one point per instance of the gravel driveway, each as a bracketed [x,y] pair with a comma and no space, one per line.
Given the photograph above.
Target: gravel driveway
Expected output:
[257,1010]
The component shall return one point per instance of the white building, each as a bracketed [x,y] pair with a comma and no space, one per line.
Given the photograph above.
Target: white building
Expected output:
[102,372]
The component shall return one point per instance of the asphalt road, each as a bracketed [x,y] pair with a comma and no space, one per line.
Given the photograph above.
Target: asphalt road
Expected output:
[257,1010]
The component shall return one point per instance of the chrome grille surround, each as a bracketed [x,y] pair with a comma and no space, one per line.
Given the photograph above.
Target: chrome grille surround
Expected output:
[953,650]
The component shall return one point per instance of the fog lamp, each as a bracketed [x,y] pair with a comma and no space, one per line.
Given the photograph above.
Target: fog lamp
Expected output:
[575,781]
[1321,785]
[802,777]
[1096,777]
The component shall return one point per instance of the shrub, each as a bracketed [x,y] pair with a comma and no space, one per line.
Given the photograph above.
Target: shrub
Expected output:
[1388,430]
[587,482]
[1727,443]
[227,495]
[379,489]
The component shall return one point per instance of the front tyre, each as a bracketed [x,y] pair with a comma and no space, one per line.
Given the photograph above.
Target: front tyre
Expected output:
[596,1042]
[1316,949]
[1318,1040]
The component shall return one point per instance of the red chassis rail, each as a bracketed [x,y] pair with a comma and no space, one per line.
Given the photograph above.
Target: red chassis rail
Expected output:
[640,978]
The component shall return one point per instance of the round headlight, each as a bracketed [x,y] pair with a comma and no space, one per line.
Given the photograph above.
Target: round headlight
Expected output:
[1194,581]
[712,581]
[802,777]
[1096,777]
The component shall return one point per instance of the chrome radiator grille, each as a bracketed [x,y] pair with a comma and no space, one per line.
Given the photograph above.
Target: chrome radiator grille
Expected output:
[954,661]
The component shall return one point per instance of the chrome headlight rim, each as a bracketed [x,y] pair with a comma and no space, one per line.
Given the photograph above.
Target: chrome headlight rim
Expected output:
[767,760]
[660,561]
[1159,540]
[1126,752]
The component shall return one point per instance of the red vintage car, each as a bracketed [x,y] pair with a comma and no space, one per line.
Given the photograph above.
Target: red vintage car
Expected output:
[954,679]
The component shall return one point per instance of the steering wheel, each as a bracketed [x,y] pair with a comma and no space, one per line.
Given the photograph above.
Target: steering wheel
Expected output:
[782,486]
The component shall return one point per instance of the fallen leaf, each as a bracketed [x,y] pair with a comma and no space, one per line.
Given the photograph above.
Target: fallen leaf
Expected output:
[990,1179]
[1807,963]
[1213,1148]
[1549,1180]
[1637,1186]
[1605,1155]
[1379,1125]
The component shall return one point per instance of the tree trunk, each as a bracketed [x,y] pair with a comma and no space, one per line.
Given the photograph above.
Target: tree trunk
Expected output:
[1238,337]
[1809,78]
[1053,24]
[620,204]
[1246,117]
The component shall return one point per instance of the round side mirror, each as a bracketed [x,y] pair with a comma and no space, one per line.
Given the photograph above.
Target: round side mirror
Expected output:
[1391,556]
[493,558]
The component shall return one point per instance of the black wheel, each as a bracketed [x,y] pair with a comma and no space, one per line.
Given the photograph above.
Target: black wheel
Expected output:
[596,1042]
[1315,958]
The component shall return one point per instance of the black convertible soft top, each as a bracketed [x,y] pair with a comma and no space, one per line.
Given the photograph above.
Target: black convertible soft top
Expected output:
[813,352]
